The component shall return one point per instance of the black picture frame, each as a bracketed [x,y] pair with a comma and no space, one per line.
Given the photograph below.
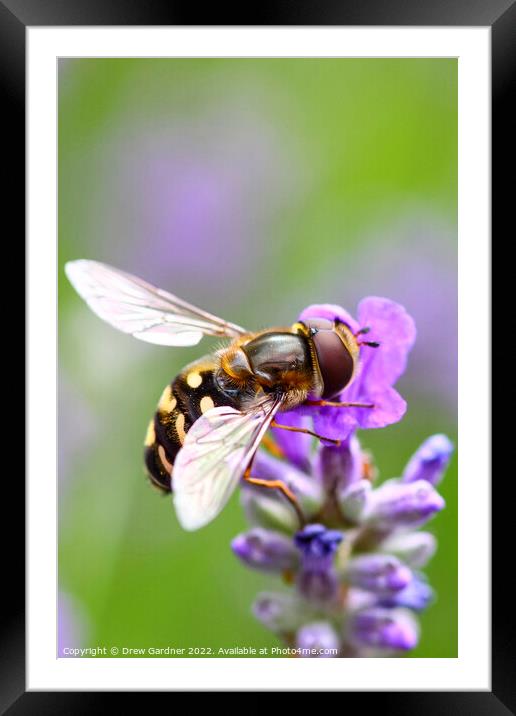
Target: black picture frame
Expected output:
[15,17]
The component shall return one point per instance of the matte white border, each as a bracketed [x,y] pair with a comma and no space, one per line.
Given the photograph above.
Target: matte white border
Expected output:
[471,670]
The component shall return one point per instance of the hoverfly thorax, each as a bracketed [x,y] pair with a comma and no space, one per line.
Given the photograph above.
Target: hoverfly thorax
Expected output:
[280,361]
[277,361]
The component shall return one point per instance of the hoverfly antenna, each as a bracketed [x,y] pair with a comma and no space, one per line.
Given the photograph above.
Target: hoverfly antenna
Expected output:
[362,332]
[371,344]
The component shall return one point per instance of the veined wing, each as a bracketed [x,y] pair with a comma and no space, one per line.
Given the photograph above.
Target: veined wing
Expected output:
[217,450]
[148,313]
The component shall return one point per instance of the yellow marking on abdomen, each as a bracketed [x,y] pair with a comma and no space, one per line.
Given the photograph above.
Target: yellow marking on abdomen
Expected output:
[150,435]
[162,456]
[194,379]
[180,427]
[167,402]
[206,404]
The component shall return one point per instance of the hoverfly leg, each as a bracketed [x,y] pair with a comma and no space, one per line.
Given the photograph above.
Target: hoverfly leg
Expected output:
[274,424]
[282,487]
[333,404]
[272,446]
[371,344]
[362,331]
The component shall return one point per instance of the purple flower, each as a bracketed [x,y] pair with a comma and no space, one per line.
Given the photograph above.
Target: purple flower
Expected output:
[308,491]
[414,548]
[399,504]
[379,573]
[339,467]
[355,501]
[430,461]
[317,579]
[417,595]
[352,561]
[319,639]
[317,543]
[282,613]
[390,326]
[381,628]
[267,508]
[266,550]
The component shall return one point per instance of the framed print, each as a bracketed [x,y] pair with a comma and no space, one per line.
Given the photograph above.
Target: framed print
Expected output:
[258,453]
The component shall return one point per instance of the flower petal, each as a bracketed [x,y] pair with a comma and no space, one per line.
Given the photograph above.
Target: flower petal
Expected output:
[417,595]
[267,550]
[389,407]
[337,467]
[339,423]
[380,573]
[392,327]
[430,461]
[384,629]
[335,423]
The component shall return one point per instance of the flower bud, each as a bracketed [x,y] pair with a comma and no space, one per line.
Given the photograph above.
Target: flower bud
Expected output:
[308,492]
[417,596]
[391,629]
[319,638]
[281,612]
[339,467]
[266,550]
[317,579]
[355,500]
[414,548]
[265,509]
[358,599]
[380,573]
[318,543]
[399,504]
[430,461]
[318,585]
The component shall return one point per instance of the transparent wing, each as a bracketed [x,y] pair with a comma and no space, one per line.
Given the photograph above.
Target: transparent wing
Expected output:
[148,313]
[217,450]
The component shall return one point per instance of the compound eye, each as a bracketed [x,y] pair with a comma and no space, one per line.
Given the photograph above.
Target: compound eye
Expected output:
[336,363]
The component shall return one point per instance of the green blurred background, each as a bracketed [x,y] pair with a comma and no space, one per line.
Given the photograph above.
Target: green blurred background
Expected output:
[252,187]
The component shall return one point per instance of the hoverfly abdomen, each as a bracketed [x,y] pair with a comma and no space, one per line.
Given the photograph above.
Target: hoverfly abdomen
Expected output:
[198,390]
[165,436]
[156,461]
[193,392]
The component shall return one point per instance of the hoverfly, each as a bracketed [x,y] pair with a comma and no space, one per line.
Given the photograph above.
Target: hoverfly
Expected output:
[212,417]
